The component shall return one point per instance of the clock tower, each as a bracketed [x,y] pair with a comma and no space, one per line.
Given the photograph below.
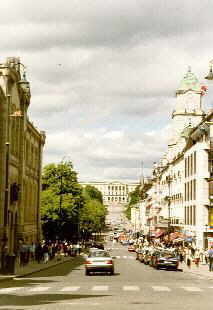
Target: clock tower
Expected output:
[188,108]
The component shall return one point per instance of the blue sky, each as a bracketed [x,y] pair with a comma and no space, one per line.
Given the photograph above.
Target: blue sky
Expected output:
[104,74]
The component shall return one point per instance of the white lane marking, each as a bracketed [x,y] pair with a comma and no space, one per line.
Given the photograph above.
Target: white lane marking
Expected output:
[80,303]
[40,289]
[10,289]
[131,288]
[70,289]
[118,256]
[124,256]
[161,288]
[192,289]
[100,288]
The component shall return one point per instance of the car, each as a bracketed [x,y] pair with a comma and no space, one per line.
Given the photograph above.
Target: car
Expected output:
[131,248]
[99,261]
[166,259]
[124,242]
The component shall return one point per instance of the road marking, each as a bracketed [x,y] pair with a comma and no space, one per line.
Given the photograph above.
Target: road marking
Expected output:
[131,288]
[118,256]
[100,288]
[10,289]
[124,256]
[70,289]
[40,289]
[161,288]
[192,289]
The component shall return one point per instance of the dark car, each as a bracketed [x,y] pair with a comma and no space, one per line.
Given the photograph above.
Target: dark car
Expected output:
[165,260]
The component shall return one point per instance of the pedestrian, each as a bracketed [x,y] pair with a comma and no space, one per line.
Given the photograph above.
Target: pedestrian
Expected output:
[46,253]
[188,257]
[197,257]
[206,256]
[210,255]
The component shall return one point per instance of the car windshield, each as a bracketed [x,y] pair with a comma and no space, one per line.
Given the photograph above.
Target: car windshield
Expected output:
[167,254]
[99,254]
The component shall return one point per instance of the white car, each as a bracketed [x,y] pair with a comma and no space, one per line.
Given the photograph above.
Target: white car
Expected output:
[99,261]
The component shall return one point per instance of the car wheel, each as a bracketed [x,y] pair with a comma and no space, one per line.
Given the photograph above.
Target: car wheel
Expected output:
[87,273]
[112,272]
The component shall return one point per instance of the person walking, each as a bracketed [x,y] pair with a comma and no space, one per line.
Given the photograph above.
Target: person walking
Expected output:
[210,254]
[197,257]
[188,257]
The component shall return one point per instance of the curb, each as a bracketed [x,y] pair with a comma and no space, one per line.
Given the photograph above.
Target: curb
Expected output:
[7,278]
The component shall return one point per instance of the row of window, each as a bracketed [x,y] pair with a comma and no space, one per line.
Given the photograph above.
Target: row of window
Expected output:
[112,188]
[32,155]
[190,190]
[14,136]
[190,215]
[121,199]
[190,165]
[31,201]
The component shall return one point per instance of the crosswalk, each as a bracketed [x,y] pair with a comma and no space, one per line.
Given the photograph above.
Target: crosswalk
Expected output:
[101,288]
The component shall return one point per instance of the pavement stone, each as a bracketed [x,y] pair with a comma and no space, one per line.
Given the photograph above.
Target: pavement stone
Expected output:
[201,271]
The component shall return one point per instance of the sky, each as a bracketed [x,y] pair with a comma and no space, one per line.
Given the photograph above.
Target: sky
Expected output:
[103,75]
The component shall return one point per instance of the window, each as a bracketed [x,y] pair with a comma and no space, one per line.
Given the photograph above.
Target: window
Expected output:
[194,215]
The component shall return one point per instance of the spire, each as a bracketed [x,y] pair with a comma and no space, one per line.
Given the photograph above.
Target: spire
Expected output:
[189,82]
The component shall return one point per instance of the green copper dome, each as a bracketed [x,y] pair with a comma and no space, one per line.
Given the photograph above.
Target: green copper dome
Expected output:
[189,82]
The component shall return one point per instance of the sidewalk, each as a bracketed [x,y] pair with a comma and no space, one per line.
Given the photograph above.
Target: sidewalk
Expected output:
[35,267]
[201,271]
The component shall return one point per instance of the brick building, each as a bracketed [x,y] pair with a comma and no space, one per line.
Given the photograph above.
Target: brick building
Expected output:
[21,148]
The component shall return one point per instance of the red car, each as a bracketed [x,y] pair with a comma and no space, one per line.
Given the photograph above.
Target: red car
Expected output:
[131,248]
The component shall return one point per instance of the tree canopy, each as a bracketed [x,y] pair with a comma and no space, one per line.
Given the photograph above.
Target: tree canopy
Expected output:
[67,209]
[61,201]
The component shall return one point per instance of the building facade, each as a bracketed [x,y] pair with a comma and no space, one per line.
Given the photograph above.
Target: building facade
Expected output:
[21,148]
[115,197]
[180,198]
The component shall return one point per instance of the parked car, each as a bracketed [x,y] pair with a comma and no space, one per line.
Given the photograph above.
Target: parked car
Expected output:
[166,259]
[99,261]
[131,248]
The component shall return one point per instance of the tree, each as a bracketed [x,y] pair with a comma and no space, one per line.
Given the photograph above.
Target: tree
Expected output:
[93,213]
[61,201]
[135,197]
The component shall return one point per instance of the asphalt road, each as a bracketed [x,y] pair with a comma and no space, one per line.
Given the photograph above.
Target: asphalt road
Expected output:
[134,286]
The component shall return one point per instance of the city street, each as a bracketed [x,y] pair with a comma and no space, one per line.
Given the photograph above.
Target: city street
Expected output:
[134,286]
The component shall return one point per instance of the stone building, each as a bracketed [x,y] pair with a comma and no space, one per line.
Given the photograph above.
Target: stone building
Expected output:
[180,199]
[21,148]
[115,197]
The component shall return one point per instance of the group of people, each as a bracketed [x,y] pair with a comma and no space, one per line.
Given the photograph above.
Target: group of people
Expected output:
[47,250]
[185,253]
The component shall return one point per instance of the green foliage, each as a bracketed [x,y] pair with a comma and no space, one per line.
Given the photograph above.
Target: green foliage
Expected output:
[61,201]
[66,208]
[92,217]
[93,193]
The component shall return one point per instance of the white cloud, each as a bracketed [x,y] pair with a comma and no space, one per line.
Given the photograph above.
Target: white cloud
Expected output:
[104,74]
